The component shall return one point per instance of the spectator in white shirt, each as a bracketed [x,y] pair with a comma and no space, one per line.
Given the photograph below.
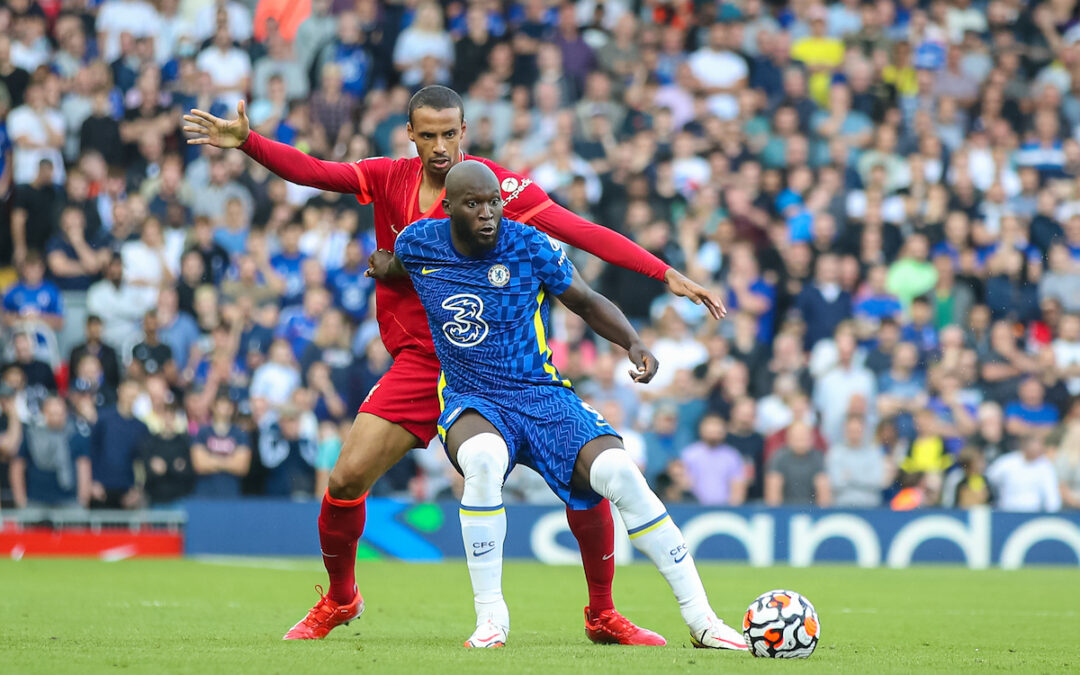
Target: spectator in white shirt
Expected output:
[721,73]
[276,379]
[37,133]
[425,37]
[1024,480]
[31,48]
[146,264]
[120,305]
[834,392]
[229,68]
[236,17]
[124,16]
[174,28]
[1067,351]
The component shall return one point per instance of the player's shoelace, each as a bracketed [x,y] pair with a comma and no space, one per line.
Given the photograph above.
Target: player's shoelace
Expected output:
[615,624]
[320,612]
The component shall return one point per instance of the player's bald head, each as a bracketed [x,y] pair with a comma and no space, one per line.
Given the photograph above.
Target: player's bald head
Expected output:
[470,177]
[474,205]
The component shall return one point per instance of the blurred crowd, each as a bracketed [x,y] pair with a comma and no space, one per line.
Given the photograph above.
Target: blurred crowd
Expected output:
[886,192]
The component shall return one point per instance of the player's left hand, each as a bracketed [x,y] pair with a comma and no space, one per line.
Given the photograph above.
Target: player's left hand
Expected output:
[379,264]
[645,361]
[680,285]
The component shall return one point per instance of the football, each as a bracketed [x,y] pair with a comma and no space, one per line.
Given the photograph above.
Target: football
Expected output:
[781,625]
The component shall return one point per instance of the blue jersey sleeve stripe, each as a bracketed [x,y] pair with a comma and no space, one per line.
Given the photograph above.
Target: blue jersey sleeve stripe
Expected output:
[541,342]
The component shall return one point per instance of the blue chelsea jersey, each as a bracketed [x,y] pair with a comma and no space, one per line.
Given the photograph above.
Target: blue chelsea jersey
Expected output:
[488,315]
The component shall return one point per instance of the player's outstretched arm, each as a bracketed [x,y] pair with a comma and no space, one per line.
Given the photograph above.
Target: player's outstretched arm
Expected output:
[612,247]
[611,324]
[283,160]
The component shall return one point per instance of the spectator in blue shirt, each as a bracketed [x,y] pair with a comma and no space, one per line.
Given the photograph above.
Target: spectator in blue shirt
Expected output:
[175,328]
[663,442]
[824,303]
[298,324]
[114,446]
[350,286]
[288,453]
[53,464]
[350,53]
[921,329]
[288,264]
[221,454]
[76,258]
[874,303]
[748,291]
[33,297]
[1031,415]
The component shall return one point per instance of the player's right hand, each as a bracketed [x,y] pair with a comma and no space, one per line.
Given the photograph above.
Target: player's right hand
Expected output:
[215,131]
[645,361]
[380,264]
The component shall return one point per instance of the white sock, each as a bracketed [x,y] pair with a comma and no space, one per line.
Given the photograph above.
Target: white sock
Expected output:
[483,460]
[614,475]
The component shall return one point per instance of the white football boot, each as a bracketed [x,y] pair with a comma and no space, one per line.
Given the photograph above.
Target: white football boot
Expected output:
[489,634]
[718,635]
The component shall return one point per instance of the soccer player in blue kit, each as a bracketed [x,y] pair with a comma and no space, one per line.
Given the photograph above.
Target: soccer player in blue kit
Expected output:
[485,283]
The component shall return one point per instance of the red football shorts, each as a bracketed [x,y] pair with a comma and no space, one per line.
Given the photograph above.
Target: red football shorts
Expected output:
[406,394]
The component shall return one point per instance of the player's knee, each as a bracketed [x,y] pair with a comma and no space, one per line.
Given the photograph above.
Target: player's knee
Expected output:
[614,475]
[346,484]
[483,458]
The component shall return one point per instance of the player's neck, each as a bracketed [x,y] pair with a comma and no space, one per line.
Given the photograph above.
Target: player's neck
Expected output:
[431,187]
[434,182]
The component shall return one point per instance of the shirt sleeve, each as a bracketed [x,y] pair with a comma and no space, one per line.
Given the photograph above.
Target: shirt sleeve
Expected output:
[405,245]
[297,167]
[551,264]
[56,303]
[79,446]
[602,242]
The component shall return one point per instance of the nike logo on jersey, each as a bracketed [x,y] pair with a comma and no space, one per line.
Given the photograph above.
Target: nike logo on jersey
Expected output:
[429,270]
[477,554]
[681,557]
[609,556]
[394,230]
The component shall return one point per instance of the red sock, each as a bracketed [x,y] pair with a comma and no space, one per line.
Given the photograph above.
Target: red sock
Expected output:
[341,522]
[595,532]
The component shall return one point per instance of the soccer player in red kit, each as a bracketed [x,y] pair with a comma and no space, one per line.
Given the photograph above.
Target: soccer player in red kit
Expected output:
[401,410]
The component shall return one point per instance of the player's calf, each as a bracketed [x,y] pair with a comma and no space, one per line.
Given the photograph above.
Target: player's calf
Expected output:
[483,460]
[613,474]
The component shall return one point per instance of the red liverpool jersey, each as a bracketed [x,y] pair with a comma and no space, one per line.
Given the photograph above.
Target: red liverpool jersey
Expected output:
[393,187]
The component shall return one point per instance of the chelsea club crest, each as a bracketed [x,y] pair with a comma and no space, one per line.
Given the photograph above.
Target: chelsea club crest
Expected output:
[498,275]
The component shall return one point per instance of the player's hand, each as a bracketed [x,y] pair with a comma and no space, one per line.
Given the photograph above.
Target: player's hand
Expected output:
[646,364]
[680,285]
[380,264]
[215,131]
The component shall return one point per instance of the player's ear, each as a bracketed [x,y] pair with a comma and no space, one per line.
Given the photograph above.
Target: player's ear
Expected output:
[446,206]
[409,130]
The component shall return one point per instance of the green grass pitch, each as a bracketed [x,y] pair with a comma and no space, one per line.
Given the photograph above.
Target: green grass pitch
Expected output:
[228,615]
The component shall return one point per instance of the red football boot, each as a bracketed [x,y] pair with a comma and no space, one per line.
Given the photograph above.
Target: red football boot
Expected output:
[324,617]
[611,628]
